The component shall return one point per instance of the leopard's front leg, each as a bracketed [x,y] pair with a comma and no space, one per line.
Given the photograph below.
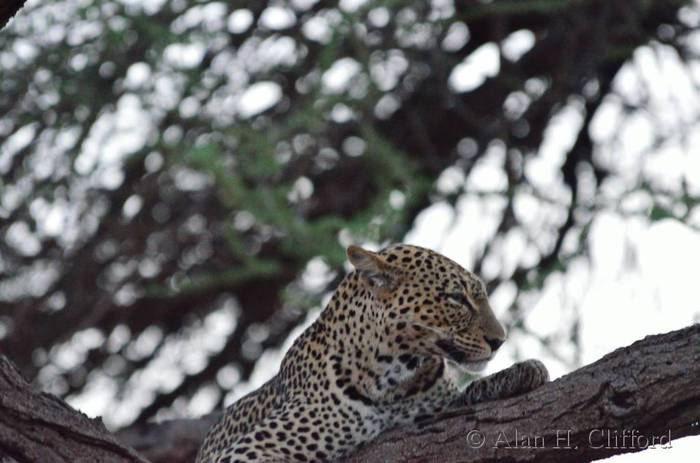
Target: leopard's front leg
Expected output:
[515,380]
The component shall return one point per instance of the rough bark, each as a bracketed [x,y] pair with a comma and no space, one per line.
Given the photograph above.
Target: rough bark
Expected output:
[649,388]
[38,427]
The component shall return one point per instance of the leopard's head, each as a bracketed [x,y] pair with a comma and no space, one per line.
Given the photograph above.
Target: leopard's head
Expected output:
[429,304]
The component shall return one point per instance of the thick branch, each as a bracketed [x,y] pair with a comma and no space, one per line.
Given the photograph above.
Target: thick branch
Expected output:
[38,427]
[650,387]
[8,8]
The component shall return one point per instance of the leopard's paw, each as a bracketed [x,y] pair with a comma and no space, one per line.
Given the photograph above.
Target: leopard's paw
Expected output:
[532,374]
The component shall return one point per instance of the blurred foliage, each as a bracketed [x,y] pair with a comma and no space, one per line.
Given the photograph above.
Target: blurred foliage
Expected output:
[179,179]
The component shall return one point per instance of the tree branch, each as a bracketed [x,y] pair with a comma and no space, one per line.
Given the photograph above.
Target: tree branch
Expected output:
[8,9]
[646,389]
[39,427]
[650,388]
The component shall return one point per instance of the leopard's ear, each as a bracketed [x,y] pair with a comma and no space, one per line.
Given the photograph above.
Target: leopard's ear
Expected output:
[377,271]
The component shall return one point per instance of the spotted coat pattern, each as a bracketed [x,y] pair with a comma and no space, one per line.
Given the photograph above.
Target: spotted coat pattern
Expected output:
[385,351]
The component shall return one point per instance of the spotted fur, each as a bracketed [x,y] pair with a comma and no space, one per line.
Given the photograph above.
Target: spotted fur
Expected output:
[383,352]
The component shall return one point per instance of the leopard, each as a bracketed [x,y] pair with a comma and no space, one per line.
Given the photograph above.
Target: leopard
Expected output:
[390,348]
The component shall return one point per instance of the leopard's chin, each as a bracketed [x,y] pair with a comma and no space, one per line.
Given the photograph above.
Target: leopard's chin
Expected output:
[471,367]
[474,367]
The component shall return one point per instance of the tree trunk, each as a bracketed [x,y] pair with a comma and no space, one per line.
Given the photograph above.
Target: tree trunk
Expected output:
[633,396]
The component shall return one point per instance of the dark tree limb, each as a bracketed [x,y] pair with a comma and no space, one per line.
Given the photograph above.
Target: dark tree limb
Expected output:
[8,8]
[39,427]
[650,388]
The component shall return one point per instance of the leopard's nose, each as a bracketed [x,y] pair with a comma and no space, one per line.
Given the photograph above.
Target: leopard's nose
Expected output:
[494,343]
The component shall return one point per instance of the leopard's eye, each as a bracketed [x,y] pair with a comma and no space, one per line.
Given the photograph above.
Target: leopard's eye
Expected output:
[461,299]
